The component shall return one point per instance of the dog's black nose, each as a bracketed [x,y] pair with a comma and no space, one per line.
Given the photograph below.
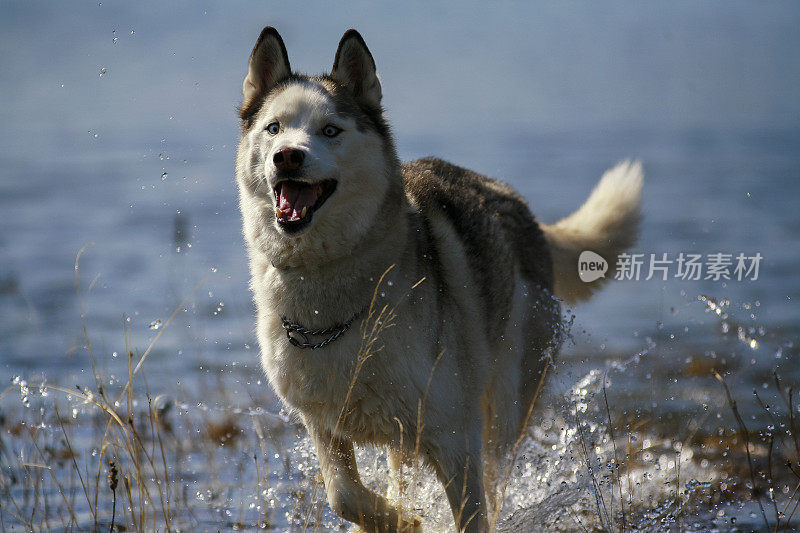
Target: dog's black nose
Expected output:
[288,159]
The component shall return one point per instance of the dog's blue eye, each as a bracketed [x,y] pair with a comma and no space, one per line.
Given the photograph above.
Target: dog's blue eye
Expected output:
[331,131]
[273,128]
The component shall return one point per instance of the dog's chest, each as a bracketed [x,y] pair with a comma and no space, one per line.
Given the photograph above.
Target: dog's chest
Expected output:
[341,386]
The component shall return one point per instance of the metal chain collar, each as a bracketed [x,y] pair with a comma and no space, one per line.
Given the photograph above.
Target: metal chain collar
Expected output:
[298,334]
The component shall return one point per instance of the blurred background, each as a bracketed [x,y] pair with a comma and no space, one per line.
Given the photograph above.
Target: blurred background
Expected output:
[118,133]
[119,130]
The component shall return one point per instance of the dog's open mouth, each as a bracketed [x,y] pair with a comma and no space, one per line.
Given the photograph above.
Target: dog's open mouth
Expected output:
[296,201]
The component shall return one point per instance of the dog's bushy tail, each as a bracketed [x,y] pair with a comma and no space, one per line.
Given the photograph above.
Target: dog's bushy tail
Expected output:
[607,224]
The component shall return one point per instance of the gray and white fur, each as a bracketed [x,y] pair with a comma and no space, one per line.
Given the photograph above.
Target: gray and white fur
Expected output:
[472,280]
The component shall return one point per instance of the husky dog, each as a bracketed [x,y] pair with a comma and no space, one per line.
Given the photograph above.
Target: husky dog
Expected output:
[454,284]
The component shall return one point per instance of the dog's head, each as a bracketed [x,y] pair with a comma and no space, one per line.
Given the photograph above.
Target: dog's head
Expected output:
[316,161]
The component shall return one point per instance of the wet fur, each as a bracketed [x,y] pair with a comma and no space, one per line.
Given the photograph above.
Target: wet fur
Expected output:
[472,339]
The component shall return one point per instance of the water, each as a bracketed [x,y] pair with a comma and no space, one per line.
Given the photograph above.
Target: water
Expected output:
[119,136]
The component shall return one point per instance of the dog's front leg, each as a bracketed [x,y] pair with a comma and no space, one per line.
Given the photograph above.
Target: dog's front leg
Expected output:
[347,496]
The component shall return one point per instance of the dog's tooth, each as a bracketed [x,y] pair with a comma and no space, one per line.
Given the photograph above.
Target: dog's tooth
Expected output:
[278,212]
[303,212]
[319,189]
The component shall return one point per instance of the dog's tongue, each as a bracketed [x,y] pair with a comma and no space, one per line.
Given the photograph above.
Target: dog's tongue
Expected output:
[294,196]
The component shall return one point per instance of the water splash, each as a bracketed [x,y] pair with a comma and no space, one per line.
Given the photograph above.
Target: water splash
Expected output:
[746,335]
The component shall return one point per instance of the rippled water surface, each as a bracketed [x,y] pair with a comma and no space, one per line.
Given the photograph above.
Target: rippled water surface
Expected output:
[118,141]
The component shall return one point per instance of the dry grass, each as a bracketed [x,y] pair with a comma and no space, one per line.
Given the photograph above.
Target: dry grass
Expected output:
[110,456]
[743,466]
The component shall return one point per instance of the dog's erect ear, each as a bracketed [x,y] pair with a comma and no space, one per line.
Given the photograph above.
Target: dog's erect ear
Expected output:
[269,63]
[355,68]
